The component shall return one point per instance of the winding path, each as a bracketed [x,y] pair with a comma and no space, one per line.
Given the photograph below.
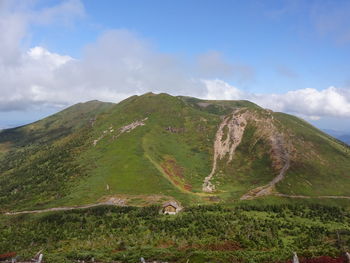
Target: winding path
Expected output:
[63,208]
[281,155]
[267,189]
[310,197]
[111,203]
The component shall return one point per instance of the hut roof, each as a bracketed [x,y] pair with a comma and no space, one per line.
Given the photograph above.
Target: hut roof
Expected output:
[171,203]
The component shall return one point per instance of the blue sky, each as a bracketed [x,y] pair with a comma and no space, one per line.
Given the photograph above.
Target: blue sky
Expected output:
[266,35]
[284,55]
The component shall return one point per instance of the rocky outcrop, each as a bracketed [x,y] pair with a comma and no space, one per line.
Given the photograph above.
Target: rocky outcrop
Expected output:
[131,126]
[124,129]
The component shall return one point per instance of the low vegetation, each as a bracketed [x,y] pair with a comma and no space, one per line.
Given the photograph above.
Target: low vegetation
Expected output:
[246,232]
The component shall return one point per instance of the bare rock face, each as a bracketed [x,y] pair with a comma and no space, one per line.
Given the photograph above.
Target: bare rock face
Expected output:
[124,129]
[133,125]
[228,137]
[295,258]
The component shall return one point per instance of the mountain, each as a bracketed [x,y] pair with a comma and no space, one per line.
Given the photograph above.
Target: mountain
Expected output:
[155,148]
[340,135]
[345,138]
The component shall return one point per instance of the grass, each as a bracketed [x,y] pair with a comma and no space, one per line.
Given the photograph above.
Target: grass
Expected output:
[320,158]
[250,167]
[124,168]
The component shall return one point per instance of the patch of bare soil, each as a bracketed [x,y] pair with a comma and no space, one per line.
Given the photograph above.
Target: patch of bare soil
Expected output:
[5,147]
[175,173]
[203,104]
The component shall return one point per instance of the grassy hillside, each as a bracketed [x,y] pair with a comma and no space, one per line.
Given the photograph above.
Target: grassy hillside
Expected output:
[152,148]
[39,160]
[53,127]
[318,160]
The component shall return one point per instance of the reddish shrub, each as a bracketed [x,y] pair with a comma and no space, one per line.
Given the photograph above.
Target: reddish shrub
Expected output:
[8,255]
[322,259]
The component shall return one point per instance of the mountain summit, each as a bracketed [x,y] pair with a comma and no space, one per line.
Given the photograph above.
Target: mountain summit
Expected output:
[155,148]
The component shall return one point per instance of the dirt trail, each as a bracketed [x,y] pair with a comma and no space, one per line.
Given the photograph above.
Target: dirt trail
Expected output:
[280,157]
[112,201]
[235,124]
[317,197]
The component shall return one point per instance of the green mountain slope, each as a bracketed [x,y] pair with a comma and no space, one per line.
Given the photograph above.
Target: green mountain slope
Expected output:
[53,127]
[151,148]
[39,160]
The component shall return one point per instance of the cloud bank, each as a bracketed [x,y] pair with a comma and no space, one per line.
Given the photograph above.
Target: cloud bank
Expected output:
[308,103]
[120,64]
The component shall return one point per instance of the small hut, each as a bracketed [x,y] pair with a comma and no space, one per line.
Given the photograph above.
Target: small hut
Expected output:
[171,208]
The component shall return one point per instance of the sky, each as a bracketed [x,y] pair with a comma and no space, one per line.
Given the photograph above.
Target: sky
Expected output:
[291,56]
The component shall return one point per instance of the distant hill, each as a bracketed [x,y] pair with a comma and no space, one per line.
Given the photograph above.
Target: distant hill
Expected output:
[340,135]
[345,138]
[152,148]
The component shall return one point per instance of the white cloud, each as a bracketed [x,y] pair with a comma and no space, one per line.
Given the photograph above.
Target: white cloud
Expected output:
[23,84]
[309,103]
[16,16]
[23,74]
[218,89]
[13,29]
[120,64]
[117,65]
[46,58]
